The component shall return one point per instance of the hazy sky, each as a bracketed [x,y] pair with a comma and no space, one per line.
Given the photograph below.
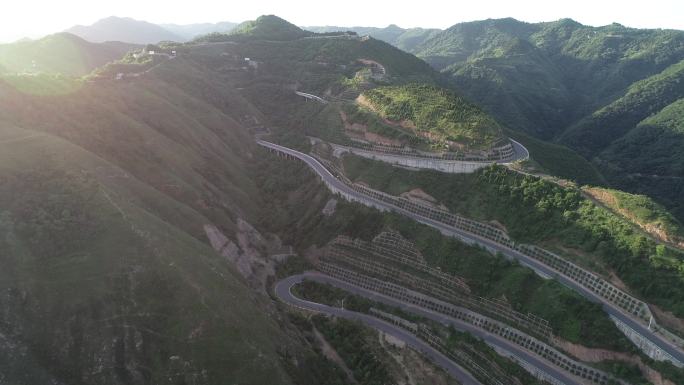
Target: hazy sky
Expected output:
[21,18]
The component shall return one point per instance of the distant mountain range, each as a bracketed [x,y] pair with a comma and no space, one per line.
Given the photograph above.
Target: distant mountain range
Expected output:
[190,31]
[402,38]
[61,53]
[129,30]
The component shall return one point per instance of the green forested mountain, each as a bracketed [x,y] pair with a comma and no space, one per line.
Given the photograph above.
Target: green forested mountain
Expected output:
[403,38]
[270,27]
[649,159]
[642,99]
[580,86]
[62,53]
[548,75]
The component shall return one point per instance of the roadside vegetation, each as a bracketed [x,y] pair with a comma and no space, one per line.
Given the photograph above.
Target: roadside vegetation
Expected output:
[351,340]
[488,357]
[299,222]
[478,350]
[559,161]
[537,211]
[642,210]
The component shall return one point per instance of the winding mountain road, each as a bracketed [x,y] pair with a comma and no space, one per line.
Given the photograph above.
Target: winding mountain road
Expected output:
[494,247]
[283,291]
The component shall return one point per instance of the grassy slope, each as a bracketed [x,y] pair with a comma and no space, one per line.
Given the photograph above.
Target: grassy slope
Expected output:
[96,254]
[106,238]
[437,111]
[59,53]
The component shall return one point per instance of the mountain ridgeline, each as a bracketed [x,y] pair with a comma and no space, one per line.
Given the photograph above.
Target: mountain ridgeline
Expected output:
[126,29]
[61,53]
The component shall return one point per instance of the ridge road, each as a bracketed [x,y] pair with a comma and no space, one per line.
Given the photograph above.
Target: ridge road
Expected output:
[469,238]
[283,291]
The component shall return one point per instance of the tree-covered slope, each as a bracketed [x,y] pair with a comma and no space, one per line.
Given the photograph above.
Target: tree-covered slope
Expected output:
[581,86]
[649,159]
[59,53]
[650,216]
[269,27]
[436,113]
[543,77]
[403,38]
[642,99]
[540,212]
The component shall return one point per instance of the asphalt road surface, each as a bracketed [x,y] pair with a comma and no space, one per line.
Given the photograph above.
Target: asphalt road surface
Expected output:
[494,247]
[282,290]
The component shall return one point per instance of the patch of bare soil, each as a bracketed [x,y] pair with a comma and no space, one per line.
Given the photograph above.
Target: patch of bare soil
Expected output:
[498,225]
[409,367]
[607,200]
[597,355]
[249,252]
[668,320]
[330,206]
[419,196]
[417,193]
[360,131]
[406,124]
